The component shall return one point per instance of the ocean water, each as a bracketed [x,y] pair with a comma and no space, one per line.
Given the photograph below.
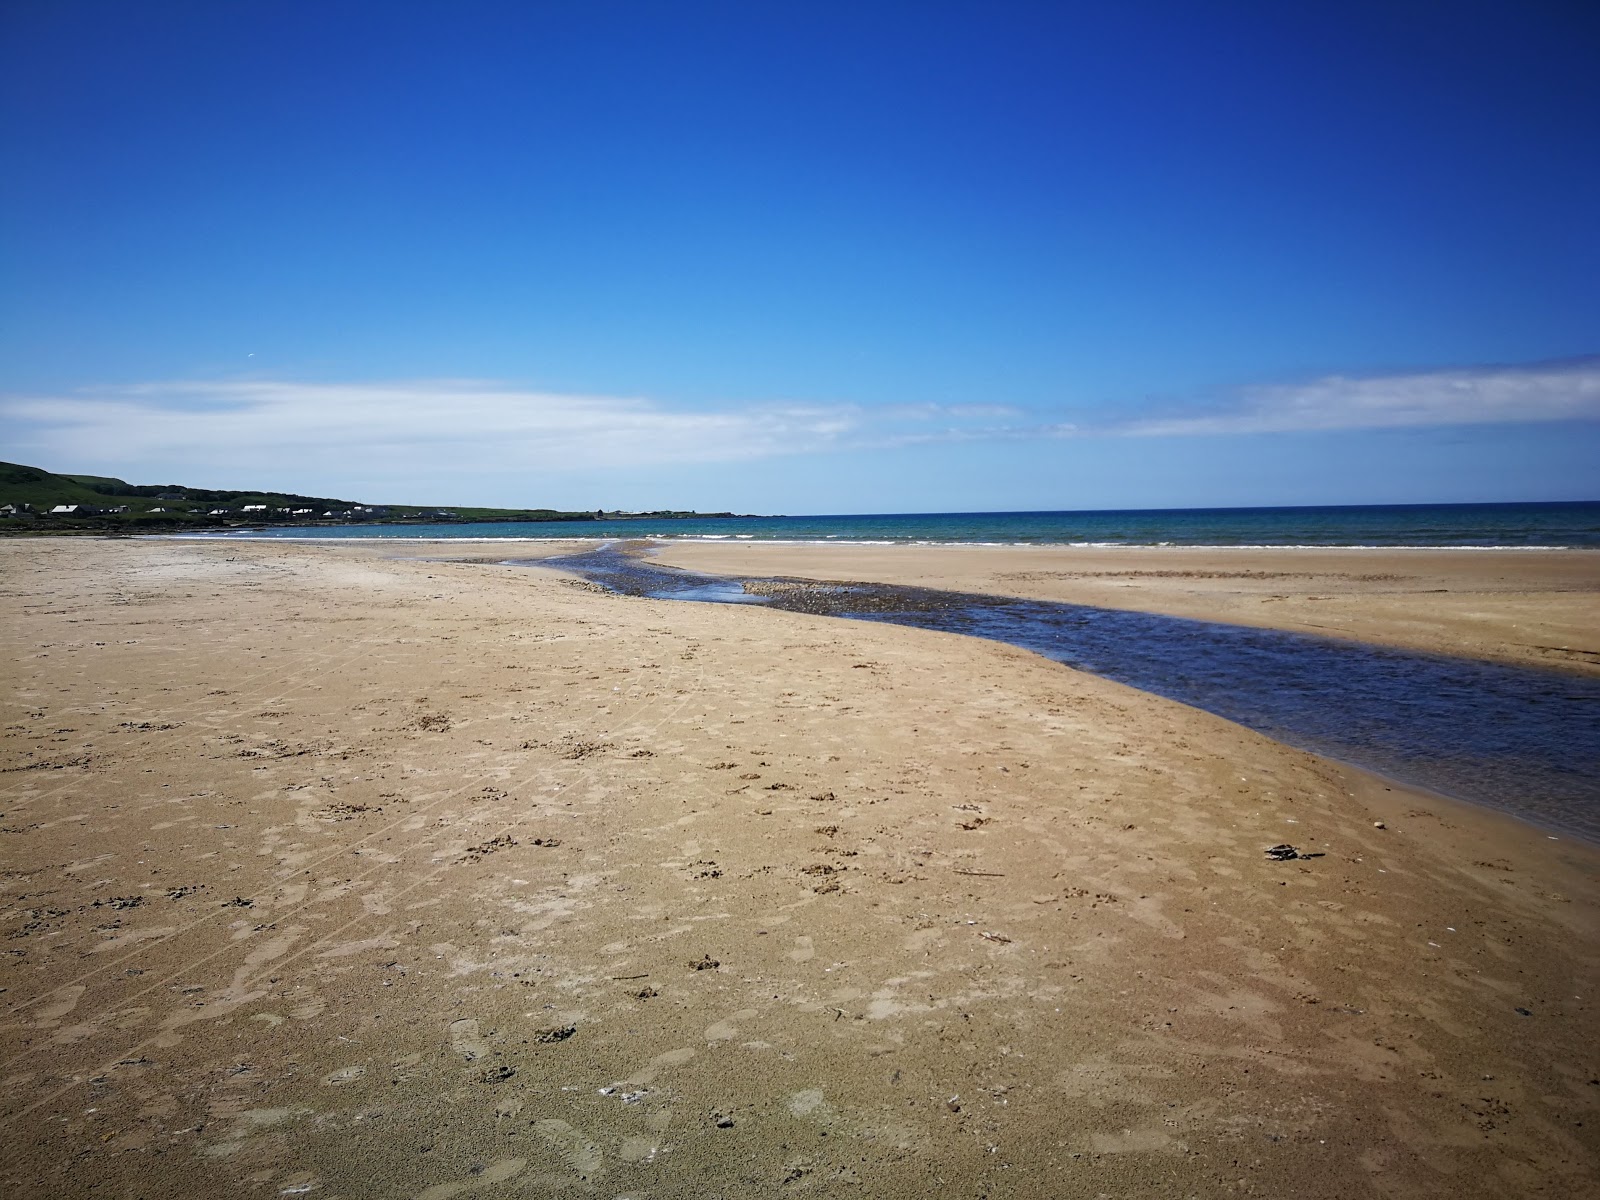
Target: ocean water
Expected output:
[1575,524]
[1522,740]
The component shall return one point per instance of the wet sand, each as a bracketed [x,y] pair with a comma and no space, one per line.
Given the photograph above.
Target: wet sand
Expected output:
[329,873]
[1524,606]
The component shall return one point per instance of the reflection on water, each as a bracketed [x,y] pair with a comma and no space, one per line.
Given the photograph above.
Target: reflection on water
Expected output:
[1520,739]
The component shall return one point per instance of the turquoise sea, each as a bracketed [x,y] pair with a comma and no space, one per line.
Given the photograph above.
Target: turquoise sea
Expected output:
[1573,524]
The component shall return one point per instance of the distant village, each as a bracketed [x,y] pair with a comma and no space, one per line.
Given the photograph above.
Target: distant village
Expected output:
[254,511]
[248,512]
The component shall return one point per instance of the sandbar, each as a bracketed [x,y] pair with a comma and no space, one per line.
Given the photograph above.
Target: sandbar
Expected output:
[1538,607]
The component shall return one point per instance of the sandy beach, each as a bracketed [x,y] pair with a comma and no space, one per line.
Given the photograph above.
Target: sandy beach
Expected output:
[332,872]
[1538,607]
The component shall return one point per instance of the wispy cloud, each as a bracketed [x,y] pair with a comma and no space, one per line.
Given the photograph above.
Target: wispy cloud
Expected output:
[1555,391]
[461,424]
[455,423]
[453,429]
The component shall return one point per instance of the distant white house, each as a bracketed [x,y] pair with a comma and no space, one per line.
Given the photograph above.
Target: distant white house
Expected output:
[302,512]
[218,512]
[156,510]
[68,510]
[254,508]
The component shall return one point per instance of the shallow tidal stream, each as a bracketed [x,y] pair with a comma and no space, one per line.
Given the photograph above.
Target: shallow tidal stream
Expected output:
[1519,739]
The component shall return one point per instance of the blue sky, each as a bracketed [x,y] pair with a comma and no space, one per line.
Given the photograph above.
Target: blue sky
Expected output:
[806,258]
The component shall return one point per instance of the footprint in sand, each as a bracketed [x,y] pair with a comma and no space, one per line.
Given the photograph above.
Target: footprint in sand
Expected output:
[404,1067]
[495,1172]
[1136,1141]
[803,950]
[582,1155]
[343,1075]
[249,1122]
[672,1058]
[638,1149]
[466,1039]
[220,1108]
[66,999]
[291,893]
[383,941]
[659,1120]
[725,1030]
[810,1105]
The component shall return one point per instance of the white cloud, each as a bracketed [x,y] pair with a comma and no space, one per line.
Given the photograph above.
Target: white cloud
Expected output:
[320,434]
[432,425]
[1560,391]
[435,436]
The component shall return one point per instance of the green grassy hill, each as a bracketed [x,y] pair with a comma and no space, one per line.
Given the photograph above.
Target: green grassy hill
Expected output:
[103,484]
[41,489]
[154,507]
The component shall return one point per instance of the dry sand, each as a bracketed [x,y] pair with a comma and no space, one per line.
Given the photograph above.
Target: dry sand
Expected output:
[1526,606]
[332,875]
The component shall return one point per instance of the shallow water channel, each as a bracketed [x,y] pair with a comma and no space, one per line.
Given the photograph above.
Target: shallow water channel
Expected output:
[1519,739]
